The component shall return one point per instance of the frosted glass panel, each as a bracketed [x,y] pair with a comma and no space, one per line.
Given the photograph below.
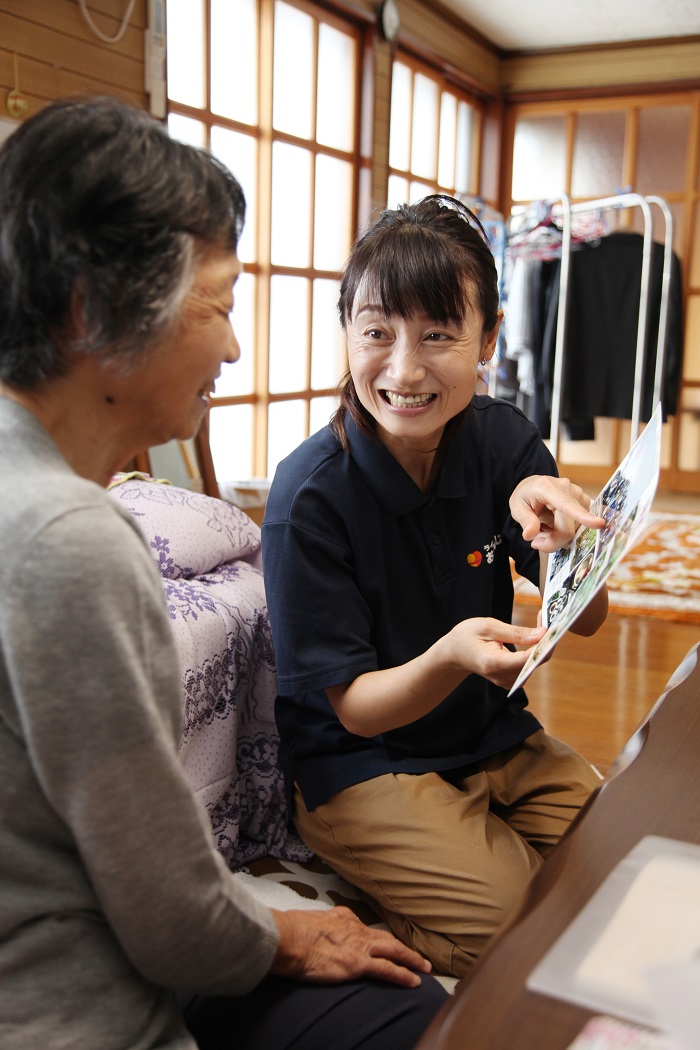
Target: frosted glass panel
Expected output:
[465,147]
[599,146]
[425,127]
[539,158]
[234,59]
[239,153]
[238,378]
[187,130]
[448,140]
[662,155]
[231,441]
[291,205]
[333,213]
[419,190]
[400,126]
[186,52]
[364,194]
[292,106]
[322,408]
[335,114]
[289,333]
[327,341]
[286,430]
[397,191]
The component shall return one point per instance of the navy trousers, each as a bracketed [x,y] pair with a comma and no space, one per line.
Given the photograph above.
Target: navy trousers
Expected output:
[281,1014]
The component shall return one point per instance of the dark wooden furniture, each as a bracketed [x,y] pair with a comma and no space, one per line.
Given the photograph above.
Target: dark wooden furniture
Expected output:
[653,788]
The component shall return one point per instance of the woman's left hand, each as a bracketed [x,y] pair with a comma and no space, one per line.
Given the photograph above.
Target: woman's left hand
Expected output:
[550,510]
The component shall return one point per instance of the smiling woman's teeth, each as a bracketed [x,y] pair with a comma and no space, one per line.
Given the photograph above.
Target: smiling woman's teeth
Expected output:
[399,401]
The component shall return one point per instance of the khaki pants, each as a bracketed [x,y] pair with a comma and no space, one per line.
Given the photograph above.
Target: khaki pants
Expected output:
[446,861]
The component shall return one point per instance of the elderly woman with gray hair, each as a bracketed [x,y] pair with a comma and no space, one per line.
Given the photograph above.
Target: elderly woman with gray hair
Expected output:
[117,266]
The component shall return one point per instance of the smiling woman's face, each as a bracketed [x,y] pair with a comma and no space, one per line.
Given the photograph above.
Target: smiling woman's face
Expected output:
[412,374]
[170,389]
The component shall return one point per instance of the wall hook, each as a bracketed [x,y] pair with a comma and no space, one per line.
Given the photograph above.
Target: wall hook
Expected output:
[16,103]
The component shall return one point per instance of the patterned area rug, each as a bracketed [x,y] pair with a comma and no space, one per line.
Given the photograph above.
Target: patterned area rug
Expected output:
[659,576]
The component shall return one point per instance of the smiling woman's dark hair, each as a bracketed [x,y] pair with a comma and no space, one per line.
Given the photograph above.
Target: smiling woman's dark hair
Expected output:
[425,258]
[100,207]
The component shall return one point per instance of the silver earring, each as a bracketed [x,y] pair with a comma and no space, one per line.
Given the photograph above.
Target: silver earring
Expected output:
[482,362]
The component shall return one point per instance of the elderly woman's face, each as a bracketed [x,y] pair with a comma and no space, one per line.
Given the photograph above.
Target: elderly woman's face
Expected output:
[171,388]
[414,375]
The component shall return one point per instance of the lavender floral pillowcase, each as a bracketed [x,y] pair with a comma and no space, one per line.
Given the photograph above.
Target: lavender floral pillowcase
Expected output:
[189,534]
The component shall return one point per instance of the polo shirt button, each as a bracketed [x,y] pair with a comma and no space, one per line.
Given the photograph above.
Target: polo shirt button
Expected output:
[435,538]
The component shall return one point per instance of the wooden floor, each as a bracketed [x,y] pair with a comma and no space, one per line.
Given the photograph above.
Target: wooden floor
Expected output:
[594,692]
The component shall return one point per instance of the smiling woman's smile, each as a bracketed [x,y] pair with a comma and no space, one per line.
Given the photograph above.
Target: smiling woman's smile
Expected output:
[397,400]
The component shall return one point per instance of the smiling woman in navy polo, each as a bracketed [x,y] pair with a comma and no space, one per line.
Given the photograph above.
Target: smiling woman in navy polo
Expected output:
[386,540]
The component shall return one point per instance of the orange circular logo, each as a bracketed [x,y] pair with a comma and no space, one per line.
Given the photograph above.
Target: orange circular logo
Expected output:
[474,559]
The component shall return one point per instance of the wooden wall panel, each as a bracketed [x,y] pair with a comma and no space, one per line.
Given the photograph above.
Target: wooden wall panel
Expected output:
[58,55]
[426,29]
[380,124]
[643,65]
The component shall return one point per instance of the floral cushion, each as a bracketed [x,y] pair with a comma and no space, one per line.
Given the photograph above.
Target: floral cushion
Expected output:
[208,552]
[189,533]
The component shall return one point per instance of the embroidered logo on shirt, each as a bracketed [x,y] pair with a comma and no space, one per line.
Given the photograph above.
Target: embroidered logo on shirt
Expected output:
[476,557]
[490,548]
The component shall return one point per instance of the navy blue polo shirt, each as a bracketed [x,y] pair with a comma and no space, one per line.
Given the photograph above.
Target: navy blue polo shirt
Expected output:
[363,571]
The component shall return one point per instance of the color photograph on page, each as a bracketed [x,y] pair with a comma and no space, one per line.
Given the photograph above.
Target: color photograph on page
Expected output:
[576,572]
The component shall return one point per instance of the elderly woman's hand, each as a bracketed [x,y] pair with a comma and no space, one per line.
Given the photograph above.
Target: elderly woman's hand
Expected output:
[550,511]
[331,946]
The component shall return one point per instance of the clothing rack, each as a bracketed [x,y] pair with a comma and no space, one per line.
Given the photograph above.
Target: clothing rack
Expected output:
[494,223]
[665,291]
[624,200]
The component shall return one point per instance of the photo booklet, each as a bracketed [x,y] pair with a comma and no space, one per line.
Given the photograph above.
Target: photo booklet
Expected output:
[575,573]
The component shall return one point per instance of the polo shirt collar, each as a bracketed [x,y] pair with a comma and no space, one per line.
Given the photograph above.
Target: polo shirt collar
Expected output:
[389,483]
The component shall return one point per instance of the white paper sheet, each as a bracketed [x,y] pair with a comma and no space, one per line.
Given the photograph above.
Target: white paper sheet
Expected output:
[646,914]
[658,922]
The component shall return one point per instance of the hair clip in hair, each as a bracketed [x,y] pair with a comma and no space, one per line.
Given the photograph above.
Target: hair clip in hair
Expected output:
[460,208]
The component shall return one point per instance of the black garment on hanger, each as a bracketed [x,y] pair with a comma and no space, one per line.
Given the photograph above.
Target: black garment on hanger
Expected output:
[545,331]
[601,343]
